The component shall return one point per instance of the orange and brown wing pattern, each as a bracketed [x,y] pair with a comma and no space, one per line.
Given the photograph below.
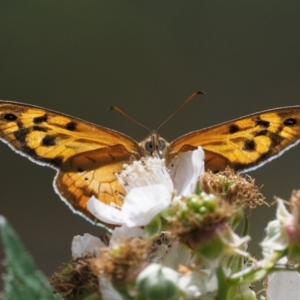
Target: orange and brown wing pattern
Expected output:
[247,142]
[86,156]
[92,174]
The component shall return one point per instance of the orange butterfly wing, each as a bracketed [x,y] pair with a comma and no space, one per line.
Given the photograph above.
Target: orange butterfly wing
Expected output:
[86,156]
[244,143]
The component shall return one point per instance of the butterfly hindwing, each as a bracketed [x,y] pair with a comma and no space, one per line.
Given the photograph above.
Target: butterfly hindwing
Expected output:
[78,187]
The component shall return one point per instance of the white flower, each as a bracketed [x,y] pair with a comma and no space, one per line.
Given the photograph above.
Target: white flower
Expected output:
[147,171]
[141,205]
[277,238]
[88,244]
[149,188]
[85,245]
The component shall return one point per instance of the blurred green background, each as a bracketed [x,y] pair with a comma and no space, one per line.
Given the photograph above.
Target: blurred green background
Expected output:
[147,57]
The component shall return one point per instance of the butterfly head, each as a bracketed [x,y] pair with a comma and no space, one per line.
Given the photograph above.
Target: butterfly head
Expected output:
[154,145]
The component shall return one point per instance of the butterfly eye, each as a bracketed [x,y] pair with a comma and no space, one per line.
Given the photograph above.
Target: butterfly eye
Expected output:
[162,144]
[149,146]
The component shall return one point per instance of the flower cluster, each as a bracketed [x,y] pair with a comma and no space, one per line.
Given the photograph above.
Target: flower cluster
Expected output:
[175,237]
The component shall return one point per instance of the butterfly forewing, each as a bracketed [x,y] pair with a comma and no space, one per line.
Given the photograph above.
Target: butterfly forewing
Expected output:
[86,156]
[244,143]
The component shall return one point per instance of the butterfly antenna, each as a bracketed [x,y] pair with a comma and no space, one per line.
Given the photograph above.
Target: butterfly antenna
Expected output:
[117,109]
[179,108]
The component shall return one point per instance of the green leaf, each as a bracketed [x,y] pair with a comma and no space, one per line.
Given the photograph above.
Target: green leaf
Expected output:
[23,280]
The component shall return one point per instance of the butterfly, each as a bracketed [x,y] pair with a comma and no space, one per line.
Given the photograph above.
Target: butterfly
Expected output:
[87,156]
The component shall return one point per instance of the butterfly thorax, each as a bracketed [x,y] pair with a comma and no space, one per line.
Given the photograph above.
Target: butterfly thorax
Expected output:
[154,145]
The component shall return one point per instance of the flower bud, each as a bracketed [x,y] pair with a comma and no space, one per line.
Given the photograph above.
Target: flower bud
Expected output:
[157,282]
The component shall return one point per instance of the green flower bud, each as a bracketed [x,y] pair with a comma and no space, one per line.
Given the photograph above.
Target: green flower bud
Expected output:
[212,249]
[157,282]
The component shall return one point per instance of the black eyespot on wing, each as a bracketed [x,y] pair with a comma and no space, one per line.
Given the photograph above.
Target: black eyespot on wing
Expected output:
[276,139]
[10,117]
[233,128]
[49,140]
[71,126]
[249,145]
[41,119]
[261,132]
[80,170]
[290,122]
[39,128]
[21,134]
[262,123]
[55,162]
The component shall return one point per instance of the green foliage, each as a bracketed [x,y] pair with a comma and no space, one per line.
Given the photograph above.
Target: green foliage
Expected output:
[23,280]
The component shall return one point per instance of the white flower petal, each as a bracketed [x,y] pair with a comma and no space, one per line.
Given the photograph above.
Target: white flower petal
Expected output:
[177,254]
[105,213]
[84,245]
[125,232]
[276,238]
[107,290]
[153,269]
[186,169]
[284,285]
[142,204]
[282,214]
[191,284]
[197,283]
